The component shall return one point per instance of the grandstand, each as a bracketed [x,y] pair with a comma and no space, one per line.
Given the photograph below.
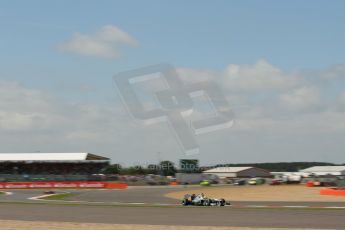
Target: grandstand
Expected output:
[51,166]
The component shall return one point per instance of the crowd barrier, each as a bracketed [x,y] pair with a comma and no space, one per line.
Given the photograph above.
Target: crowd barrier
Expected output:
[332,192]
[28,185]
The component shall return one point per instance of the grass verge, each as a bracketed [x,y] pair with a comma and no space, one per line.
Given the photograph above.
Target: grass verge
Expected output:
[61,196]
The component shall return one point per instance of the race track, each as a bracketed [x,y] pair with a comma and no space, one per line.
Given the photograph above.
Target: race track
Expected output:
[199,216]
[119,206]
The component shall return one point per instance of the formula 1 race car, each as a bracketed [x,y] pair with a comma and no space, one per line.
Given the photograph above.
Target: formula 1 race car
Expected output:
[201,200]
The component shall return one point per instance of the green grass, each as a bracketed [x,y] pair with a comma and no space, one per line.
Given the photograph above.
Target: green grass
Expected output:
[2,193]
[61,196]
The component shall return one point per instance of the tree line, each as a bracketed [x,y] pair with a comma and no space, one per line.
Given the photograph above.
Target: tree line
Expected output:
[164,168]
[168,168]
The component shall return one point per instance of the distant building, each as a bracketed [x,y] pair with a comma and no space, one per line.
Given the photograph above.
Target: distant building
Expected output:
[325,170]
[238,172]
[289,176]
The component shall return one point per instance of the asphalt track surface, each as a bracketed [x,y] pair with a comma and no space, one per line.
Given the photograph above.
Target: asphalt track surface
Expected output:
[96,209]
[145,195]
[190,216]
[155,195]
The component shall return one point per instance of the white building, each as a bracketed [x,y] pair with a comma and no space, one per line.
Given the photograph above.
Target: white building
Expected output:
[238,172]
[289,176]
[51,157]
[325,170]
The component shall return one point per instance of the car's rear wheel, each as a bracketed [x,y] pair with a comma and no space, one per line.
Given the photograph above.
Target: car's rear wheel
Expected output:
[184,202]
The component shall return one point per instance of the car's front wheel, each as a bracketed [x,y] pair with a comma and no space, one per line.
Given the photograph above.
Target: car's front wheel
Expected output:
[222,202]
[184,202]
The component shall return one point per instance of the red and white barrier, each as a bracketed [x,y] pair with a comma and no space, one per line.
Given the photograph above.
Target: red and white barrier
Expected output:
[28,185]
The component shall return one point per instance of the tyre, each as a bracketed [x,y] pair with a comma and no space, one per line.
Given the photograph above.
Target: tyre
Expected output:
[184,202]
[222,202]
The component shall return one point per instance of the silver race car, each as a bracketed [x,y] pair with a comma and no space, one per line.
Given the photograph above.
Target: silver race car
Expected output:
[201,200]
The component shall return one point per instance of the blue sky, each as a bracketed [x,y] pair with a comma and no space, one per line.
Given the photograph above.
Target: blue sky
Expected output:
[291,35]
[297,37]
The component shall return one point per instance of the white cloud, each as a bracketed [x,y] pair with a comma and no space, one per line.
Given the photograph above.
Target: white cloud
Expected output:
[295,100]
[289,122]
[83,135]
[104,43]
[333,72]
[190,75]
[341,98]
[301,98]
[325,122]
[243,78]
[262,75]
[31,120]
[17,121]
[24,109]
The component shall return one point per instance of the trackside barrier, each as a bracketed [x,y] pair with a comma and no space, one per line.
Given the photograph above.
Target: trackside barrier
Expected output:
[332,192]
[29,185]
[310,184]
[116,185]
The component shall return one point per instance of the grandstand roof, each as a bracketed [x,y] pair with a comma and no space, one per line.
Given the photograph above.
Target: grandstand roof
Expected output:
[51,157]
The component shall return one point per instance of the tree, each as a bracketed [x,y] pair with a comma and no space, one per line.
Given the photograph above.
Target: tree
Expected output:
[152,169]
[189,166]
[113,169]
[167,168]
[134,170]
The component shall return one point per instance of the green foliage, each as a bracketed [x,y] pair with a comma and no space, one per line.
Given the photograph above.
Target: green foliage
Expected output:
[61,196]
[189,166]
[113,169]
[153,169]
[164,168]
[167,168]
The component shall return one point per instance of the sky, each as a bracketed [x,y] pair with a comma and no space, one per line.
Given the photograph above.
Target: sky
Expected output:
[279,64]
